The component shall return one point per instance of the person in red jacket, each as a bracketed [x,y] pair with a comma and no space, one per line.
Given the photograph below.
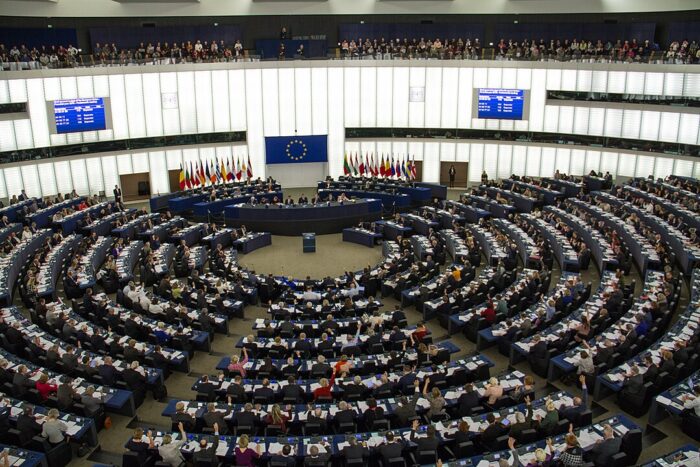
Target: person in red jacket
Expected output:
[326,387]
[489,313]
[44,387]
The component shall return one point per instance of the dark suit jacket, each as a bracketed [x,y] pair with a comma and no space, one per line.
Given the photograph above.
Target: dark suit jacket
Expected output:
[391,450]
[634,385]
[355,452]
[466,402]
[28,426]
[602,452]
[108,374]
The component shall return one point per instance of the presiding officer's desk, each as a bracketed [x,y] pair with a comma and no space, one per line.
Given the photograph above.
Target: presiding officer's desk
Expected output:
[202,210]
[293,220]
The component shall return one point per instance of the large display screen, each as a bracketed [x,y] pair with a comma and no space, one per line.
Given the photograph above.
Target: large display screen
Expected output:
[73,115]
[501,103]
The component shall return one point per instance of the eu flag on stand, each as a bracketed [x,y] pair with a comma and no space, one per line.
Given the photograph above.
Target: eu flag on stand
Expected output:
[296,149]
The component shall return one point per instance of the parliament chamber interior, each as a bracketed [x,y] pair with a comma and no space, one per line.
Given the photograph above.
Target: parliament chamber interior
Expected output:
[331,234]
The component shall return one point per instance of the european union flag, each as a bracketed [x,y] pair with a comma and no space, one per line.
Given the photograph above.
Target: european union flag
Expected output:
[296,149]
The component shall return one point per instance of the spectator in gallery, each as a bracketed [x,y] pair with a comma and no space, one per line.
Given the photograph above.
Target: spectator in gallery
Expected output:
[300,50]
[452,172]
[283,33]
[484,177]
[281,52]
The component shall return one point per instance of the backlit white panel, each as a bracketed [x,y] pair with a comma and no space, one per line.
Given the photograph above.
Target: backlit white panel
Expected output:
[94,175]
[413,149]
[669,127]
[450,86]
[673,84]
[202,86]
[683,167]
[616,82]
[505,154]
[100,85]
[139,162]
[270,97]
[47,180]
[336,127]
[319,101]
[650,125]
[491,160]
[160,182]
[626,165]
[568,80]
[592,161]
[519,159]
[431,163]
[23,134]
[645,166]
[4,93]
[581,118]
[688,129]
[562,161]
[551,118]
[599,82]
[433,97]
[368,96]
[553,79]
[191,156]
[578,162]
[134,105]
[254,121]
[220,100]
[691,86]
[302,100]
[566,120]
[481,78]
[495,77]
[237,99]
[476,162]
[533,161]
[30,180]
[584,80]
[654,84]
[174,159]
[696,170]
[64,178]
[663,167]
[400,101]
[7,136]
[635,82]
[383,148]
[171,117]
[524,78]
[69,87]
[287,109]
[509,78]
[85,87]
[152,104]
[448,152]
[416,108]
[506,124]
[462,152]
[52,88]
[18,90]
[110,172]
[631,123]
[464,97]
[351,91]
[547,162]
[120,117]
[608,163]
[538,95]
[13,178]
[124,164]
[480,124]
[613,122]
[385,79]
[186,102]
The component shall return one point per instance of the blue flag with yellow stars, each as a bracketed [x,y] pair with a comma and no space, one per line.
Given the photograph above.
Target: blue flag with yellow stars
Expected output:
[296,149]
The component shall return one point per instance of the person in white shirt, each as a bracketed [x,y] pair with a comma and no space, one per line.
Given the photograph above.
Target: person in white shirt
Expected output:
[692,401]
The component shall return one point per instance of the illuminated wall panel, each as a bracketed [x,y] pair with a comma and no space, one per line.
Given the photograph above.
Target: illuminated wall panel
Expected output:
[135,106]
[220,100]
[186,105]
[319,101]
[152,104]
[368,97]
[385,79]
[287,109]
[400,99]
[416,108]
[433,97]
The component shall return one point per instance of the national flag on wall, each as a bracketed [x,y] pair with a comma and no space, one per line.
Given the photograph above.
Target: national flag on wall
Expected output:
[224,175]
[238,170]
[182,178]
[219,175]
[192,178]
[373,166]
[398,167]
[405,168]
[387,167]
[202,175]
[381,166]
[250,168]
[414,169]
[229,171]
[346,165]
[362,166]
[207,172]
[392,170]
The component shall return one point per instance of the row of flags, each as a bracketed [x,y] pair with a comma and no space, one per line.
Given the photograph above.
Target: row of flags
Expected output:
[213,172]
[400,167]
